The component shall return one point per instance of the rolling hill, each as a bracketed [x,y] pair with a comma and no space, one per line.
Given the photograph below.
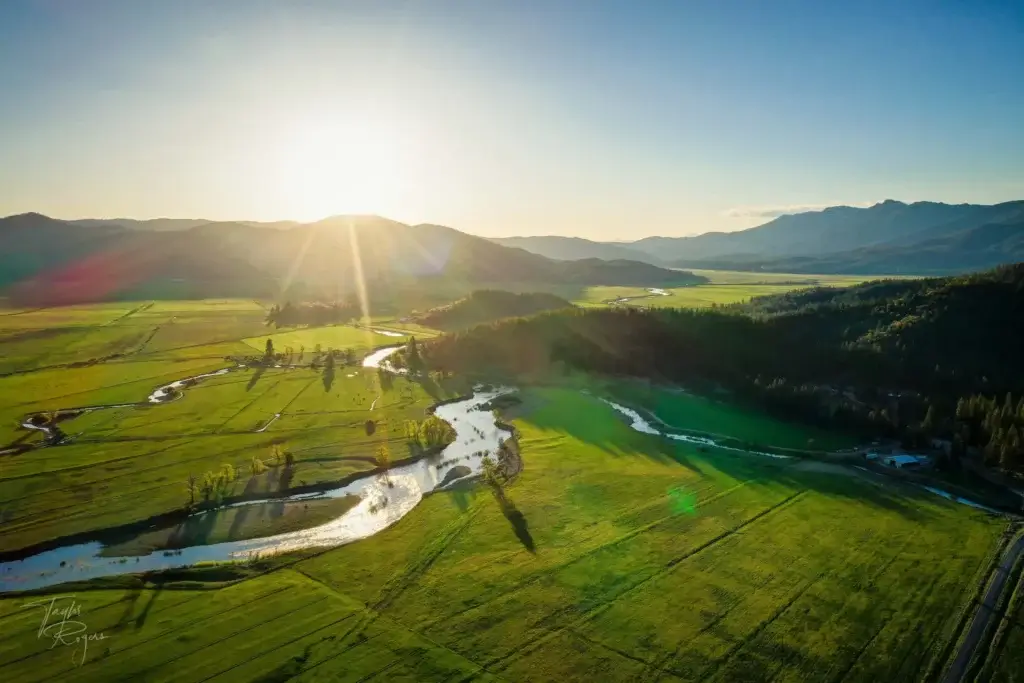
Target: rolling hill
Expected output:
[889,237]
[44,259]
[483,306]
[976,248]
[574,248]
[835,229]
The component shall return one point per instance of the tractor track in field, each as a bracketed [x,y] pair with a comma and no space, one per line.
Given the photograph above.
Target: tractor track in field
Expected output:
[650,526]
[372,613]
[532,644]
[987,609]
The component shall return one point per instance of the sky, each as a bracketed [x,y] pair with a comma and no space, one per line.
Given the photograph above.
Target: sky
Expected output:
[605,120]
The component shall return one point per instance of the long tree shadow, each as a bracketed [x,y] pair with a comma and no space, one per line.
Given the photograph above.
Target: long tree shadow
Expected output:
[428,384]
[255,377]
[328,377]
[140,621]
[129,608]
[516,518]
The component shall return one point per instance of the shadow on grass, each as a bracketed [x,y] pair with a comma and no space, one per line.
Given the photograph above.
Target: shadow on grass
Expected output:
[515,518]
[140,621]
[255,377]
[586,419]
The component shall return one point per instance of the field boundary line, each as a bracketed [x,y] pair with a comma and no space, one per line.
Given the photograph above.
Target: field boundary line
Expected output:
[603,546]
[378,615]
[532,644]
[220,640]
[165,633]
[264,653]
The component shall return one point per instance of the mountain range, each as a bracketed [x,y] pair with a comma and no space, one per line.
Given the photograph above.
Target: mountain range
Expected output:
[47,261]
[889,237]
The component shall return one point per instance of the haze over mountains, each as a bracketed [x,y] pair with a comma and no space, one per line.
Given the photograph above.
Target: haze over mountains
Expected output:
[889,237]
[44,260]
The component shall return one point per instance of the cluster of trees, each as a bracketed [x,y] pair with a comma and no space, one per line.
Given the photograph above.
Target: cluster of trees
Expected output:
[213,486]
[278,456]
[318,356]
[314,314]
[997,427]
[429,433]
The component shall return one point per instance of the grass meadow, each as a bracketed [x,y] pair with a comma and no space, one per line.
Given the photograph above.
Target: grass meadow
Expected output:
[724,287]
[771,571]
[778,573]
[127,464]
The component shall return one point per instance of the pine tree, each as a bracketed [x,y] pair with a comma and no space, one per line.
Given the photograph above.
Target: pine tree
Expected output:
[270,349]
[412,353]
[928,423]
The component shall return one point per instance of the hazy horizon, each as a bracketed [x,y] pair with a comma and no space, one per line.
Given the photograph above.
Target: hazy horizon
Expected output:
[604,120]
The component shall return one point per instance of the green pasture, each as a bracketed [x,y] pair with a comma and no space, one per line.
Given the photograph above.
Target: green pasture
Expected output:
[724,287]
[682,411]
[331,337]
[126,464]
[588,571]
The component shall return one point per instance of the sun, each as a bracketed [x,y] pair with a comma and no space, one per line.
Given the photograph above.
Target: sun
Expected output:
[343,168]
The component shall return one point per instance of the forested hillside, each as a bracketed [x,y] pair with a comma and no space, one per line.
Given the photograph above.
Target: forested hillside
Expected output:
[484,306]
[888,357]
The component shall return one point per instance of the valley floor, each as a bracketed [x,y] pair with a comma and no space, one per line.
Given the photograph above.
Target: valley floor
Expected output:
[615,555]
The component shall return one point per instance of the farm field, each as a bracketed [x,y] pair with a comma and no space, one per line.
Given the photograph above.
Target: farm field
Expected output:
[725,287]
[689,412]
[330,337]
[777,572]
[126,464]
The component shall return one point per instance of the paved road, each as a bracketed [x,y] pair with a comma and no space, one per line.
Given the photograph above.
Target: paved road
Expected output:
[986,610]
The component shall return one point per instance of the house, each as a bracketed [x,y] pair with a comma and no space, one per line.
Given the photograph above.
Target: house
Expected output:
[903,461]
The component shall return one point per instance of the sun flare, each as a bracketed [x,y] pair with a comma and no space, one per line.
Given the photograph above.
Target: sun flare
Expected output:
[343,168]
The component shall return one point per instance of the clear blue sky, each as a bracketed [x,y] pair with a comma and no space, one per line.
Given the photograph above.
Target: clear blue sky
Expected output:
[609,120]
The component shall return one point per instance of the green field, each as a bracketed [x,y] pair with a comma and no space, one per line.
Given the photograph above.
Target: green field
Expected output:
[689,412]
[332,337]
[127,464]
[724,287]
[771,570]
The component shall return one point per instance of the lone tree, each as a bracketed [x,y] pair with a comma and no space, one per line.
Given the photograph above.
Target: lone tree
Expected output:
[412,352]
[193,488]
[270,349]
[383,459]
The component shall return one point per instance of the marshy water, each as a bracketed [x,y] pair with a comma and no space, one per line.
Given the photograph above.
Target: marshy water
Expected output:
[383,500]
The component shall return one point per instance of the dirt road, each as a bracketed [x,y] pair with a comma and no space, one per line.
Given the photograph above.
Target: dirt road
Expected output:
[986,610]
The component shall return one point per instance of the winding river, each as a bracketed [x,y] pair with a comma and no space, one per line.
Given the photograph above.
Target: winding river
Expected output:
[381,504]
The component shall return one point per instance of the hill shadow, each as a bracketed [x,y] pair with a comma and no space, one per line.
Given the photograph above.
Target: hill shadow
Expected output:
[611,432]
[597,424]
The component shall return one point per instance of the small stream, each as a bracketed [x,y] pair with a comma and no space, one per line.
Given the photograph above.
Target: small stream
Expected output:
[651,292]
[638,423]
[383,501]
[641,425]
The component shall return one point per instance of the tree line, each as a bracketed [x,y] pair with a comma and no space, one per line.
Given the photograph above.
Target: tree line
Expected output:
[314,314]
[889,358]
